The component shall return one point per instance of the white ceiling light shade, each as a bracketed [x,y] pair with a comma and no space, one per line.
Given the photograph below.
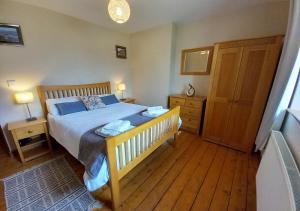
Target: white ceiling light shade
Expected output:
[119,10]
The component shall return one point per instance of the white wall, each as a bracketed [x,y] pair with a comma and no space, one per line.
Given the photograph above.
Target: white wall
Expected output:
[58,50]
[151,53]
[263,20]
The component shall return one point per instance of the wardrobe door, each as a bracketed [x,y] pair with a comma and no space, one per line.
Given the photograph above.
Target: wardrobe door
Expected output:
[252,88]
[224,76]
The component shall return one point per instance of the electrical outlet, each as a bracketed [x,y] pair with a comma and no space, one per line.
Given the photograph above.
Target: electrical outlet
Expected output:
[11,83]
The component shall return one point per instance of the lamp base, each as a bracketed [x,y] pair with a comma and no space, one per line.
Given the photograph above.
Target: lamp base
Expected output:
[31,119]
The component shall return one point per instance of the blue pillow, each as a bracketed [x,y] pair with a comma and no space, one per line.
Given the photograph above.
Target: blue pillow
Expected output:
[109,99]
[70,107]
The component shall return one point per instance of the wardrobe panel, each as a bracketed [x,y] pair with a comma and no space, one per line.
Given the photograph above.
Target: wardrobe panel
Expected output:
[250,71]
[237,125]
[228,61]
[217,121]
[226,65]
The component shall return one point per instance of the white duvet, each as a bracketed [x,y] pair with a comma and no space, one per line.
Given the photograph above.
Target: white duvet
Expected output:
[68,129]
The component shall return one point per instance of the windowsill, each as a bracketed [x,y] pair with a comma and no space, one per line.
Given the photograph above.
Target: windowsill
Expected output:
[295,113]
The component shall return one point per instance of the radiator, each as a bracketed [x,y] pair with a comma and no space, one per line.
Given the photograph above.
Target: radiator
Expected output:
[278,179]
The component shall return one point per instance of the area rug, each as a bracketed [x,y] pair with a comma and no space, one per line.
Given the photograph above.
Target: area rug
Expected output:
[52,185]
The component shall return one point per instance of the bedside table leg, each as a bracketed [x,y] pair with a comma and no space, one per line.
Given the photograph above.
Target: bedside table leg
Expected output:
[18,147]
[48,137]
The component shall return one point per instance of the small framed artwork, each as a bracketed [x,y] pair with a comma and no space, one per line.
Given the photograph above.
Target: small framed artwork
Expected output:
[121,52]
[10,34]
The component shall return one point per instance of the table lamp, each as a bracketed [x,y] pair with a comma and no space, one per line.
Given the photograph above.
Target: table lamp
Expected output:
[122,88]
[25,98]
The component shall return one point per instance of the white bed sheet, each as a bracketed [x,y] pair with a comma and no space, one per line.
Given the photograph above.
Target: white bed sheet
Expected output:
[68,129]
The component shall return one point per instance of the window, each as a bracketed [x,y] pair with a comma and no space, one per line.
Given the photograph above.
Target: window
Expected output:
[295,103]
[294,83]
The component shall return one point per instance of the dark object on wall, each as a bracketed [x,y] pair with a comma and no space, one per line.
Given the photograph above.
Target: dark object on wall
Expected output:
[10,34]
[121,52]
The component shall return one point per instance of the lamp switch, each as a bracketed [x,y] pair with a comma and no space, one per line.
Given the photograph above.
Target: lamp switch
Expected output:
[11,83]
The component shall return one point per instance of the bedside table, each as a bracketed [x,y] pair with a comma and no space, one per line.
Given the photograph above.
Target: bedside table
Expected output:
[128,100]
[35,133]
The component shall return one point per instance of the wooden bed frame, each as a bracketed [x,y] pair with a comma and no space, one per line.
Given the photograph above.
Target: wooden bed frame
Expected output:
[135,145]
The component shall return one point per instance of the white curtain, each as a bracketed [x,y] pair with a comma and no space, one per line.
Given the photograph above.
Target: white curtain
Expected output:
[285,79]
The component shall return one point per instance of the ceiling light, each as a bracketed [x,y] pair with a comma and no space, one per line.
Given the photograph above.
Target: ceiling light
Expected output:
[119,10]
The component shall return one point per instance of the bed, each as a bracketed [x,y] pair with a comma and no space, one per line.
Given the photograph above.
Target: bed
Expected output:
[124,151]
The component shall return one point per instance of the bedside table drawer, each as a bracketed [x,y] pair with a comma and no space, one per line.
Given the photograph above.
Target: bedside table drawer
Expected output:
[27,132]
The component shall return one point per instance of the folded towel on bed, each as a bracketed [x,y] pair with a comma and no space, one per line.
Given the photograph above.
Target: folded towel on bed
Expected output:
[153,108]
[154,113]
[119,125]
[114,128]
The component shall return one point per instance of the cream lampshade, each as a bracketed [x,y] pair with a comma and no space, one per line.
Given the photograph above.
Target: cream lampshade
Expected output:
[119,10]
[122,87]
[25,98]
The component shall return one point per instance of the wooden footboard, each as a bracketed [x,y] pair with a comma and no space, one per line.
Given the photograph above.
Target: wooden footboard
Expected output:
[128,149]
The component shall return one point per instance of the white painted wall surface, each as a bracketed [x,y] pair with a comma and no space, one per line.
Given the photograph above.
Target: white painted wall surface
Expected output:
[58,50]
[151,64]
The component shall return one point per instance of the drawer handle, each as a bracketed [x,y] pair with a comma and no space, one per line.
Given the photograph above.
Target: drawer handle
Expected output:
[29,131]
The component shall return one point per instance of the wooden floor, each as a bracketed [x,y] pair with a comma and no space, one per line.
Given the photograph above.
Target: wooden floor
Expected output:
[196,175]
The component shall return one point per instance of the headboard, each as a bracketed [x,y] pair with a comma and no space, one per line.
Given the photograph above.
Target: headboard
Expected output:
[53,92]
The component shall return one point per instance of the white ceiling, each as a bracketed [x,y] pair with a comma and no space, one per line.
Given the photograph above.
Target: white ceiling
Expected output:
[145,13]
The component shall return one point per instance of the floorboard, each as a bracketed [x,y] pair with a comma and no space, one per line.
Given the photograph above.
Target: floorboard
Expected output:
[223,191]
[189,193]
[207,190]
[239,188]
[169,199]
[151,200]
[195,175]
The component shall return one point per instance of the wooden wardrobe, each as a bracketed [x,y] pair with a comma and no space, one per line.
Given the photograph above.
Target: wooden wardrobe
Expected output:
[241,78]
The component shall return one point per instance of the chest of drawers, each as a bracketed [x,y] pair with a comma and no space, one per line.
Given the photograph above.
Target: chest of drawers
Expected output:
[190,111]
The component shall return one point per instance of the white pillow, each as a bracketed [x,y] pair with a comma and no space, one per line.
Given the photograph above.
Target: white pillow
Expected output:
[51,104]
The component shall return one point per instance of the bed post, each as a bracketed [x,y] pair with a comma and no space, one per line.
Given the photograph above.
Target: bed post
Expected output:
[176,132]
[175,137]
[113,173]
[42,97]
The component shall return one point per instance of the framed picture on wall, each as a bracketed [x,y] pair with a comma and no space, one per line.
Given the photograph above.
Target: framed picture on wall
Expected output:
[10,34]
[121,52]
